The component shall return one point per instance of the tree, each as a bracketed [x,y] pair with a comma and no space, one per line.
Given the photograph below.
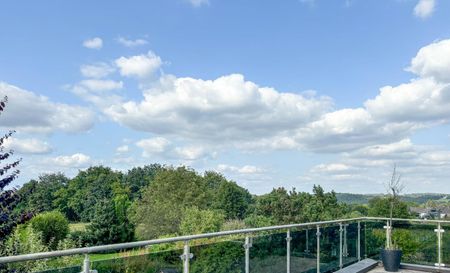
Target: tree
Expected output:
[196,221]
[140,177]
[8,173]
[39,195]
[380,207]
[163,202]
[53,227]
[107,226]
[233,200]
[78,199]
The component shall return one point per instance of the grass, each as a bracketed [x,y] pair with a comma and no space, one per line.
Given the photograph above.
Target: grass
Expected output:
[78,226]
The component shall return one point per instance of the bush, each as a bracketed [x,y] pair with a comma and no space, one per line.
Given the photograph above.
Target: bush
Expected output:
[196,221]
[53,227]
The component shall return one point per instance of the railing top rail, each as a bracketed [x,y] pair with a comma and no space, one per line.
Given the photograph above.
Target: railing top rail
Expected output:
[421,221]
[111,247]
[94,249]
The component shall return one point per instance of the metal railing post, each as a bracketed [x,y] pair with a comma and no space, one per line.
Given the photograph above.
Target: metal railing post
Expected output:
[288,251]
[341,230]
[439,232]
[247,246]
[358,250]
[388,228]
[318,249]
[86,264]
[186,257]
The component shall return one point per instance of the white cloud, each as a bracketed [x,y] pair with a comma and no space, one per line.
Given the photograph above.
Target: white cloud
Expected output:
[94,43]
[223,110]
[140,66]
[433,61]
[153,146]
[77,160]
[123,149]
[97,70]
[131,43]
[101,85]
[424,8]
[190,152]
[29,112]
[247,169]
[198,3]
[28,146]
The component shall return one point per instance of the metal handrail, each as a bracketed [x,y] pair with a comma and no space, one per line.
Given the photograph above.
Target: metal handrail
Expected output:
[95,249]
[187,238]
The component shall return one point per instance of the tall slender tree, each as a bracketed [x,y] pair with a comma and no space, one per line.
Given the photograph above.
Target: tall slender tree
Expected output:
[8,173]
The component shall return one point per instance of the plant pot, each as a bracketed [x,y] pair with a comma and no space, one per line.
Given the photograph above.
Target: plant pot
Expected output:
[391,259]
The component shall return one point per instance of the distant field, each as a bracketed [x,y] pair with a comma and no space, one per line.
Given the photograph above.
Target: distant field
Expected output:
[78,226]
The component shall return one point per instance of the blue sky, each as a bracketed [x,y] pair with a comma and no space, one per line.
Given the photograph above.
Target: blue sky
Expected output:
[271,94]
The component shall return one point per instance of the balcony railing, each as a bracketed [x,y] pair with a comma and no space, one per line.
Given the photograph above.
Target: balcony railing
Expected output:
[317,246]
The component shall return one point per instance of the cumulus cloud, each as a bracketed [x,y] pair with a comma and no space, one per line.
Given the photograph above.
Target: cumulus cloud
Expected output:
[131,43]
[198,3]
[433,61]
[94,43]
[424,8]
[190,152]
[101,85]
[28,146]
[77,160]
[97,70]
[152,146]
[226,109]
[28,112]
[139,66]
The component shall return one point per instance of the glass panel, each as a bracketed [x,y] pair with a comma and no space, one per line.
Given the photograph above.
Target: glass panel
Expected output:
[148,263]
[373,239]
[303,251]
[268,254]
[222,257]
[417,241]
[350,244]
[329,249]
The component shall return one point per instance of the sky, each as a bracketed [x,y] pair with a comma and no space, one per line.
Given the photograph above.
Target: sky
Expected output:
[270,93]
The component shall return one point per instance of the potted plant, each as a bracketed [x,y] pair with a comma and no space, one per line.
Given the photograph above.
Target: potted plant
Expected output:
[391,255]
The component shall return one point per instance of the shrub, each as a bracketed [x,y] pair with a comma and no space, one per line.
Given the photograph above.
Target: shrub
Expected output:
[53,227]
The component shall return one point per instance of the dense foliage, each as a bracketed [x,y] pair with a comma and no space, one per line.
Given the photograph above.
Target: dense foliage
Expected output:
[8,173]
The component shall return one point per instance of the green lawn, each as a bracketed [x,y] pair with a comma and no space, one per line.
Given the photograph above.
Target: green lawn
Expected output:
[78,226]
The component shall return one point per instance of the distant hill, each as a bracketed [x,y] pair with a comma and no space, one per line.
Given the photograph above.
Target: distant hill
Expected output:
[419,198]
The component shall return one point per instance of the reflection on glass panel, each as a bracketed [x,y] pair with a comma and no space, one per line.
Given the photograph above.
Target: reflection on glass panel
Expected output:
[268,254]
[329,248]
[417,241]
[303,251]
[221,257]
[373,239]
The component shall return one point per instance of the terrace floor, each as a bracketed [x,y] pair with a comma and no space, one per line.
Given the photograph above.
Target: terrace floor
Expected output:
[380,269]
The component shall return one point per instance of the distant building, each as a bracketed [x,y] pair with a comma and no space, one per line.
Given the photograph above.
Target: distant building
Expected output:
[430,213]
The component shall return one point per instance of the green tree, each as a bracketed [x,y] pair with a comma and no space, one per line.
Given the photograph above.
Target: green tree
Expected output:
[78,199]
[140,177]
[232,199]
[163,202]
[109,224]
[8,173]
[52,226]
[196,221]
[381,206]
[39,195]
